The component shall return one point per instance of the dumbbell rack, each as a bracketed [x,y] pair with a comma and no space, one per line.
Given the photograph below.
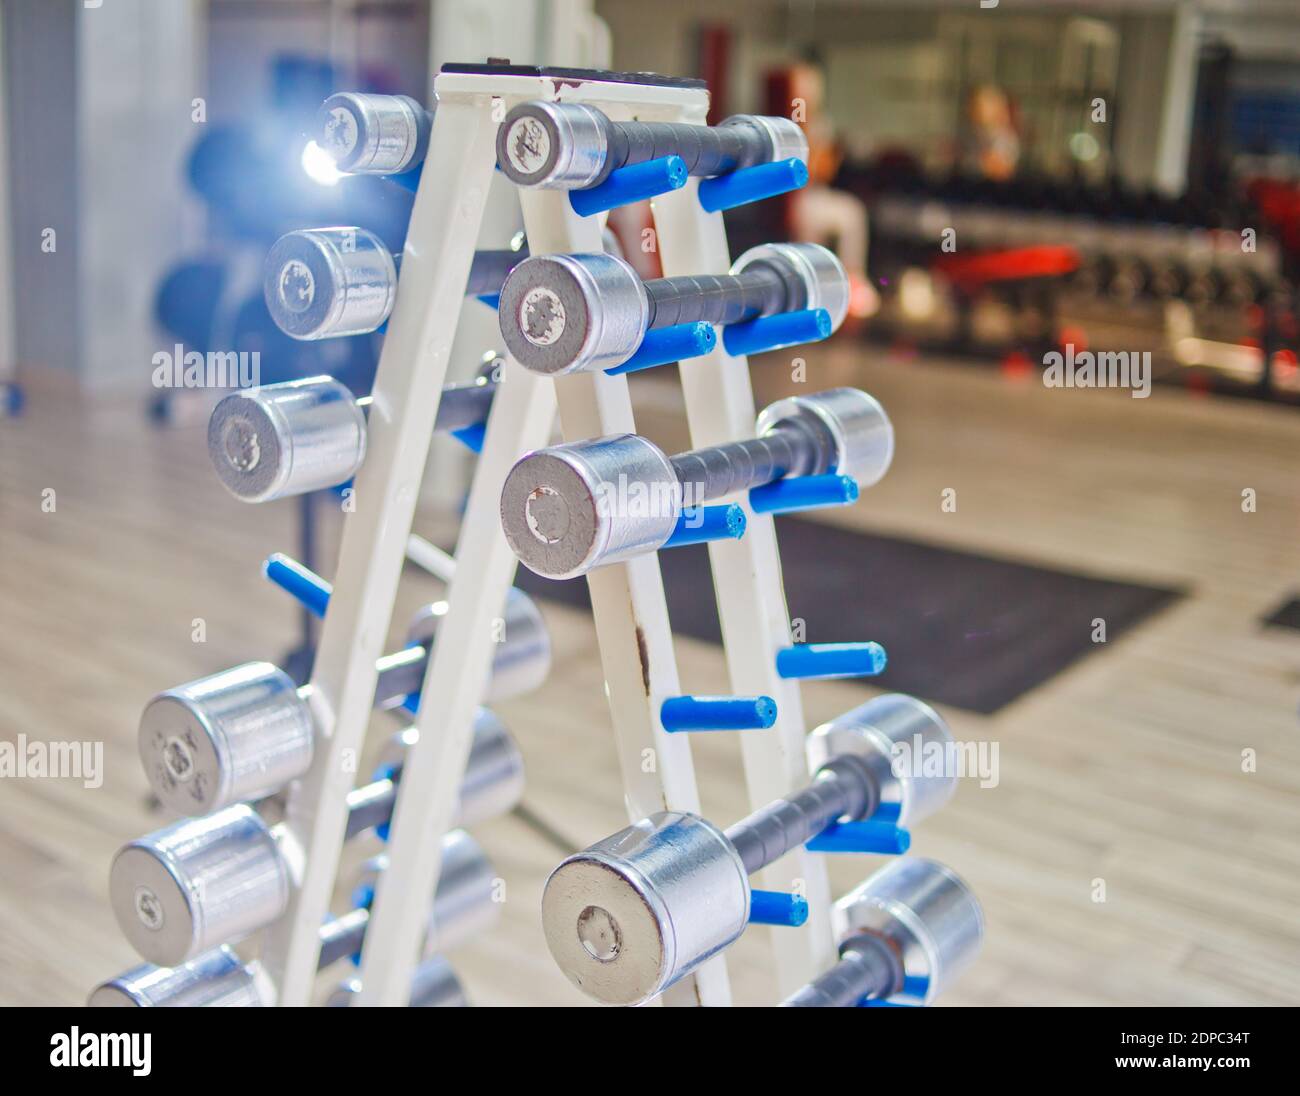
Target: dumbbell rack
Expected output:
[630,613]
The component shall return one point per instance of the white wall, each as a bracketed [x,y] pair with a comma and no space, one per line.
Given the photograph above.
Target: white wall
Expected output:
[139,70]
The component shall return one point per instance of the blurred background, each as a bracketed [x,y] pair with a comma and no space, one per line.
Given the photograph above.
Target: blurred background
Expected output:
[1003,181]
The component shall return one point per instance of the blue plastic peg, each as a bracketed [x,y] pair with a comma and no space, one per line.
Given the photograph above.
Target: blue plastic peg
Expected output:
[777,332]
[471,437]
[662,345]
[717,713]
[777,908]
[883,838]
[700,524]
[634,183]
[787,496]
[887,812]
[752,184]
[310,590]
[827,660]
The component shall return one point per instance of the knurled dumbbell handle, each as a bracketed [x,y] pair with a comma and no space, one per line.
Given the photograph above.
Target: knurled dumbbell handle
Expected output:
[707,150]
[342,936]
[866,969]
[369,806]
[790,449]
[463,405]
[400,674]
[759,290]
[841,787]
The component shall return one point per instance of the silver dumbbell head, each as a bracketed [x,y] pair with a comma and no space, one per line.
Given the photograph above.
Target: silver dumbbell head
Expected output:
[433,985]
[784,137]
[573,313]
[926,913]
[215,979]
[825,283]
[324,282]
[287,439]
[863,434]
[573,507]
[522,661]
[464,904]
[372,134]
[197,884]
[494,774]
[880,729]
[552,145]
[237,735]
[632,914]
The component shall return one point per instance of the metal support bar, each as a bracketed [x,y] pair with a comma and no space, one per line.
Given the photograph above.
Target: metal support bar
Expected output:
[751,598]
[412,369]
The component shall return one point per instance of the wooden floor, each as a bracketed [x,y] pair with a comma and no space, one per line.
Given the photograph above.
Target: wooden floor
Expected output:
[1125,769]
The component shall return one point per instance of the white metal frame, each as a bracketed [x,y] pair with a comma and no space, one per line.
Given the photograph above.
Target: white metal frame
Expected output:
[628,603]
[751,595]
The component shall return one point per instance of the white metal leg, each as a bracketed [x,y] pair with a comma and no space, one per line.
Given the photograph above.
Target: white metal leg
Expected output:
[522,415]
[435,266]
[751,596]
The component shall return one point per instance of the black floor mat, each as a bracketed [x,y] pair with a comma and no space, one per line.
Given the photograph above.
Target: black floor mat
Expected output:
[1286,615]
[960,629]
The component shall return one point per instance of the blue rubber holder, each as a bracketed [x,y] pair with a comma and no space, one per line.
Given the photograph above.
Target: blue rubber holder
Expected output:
[887,812]
[701,524]
[339,488]
[634,183]
[882,838]
[408,180]
[914,987]
[806,661]
[787,496]
[664,345]
[310,590]
[777,332]
[471,437]
[777,908]
[363,897]
[492,300]
[717,713]
[15,399]
[752,184]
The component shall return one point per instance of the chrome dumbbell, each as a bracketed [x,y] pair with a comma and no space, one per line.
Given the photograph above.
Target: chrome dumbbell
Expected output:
[320,283]
[905,935]
[373,134]
[278,440]
[201,882]
[433,985]
[582,313]
[629,916]
[568,146]
[244,733]
[463,906]
[569,508]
